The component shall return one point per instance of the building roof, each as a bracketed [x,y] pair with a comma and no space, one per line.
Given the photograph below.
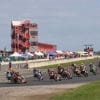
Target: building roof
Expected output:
[17,23]
[46,44]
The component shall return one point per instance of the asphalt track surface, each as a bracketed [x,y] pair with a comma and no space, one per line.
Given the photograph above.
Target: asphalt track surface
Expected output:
[31,81]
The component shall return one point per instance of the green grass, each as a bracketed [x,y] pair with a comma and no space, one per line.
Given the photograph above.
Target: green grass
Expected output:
[76,62]
[86,92]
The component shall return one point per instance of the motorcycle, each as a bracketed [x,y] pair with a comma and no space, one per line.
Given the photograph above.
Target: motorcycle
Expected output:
[54,75]
[93,69]
[85,73]
[15,77]
[38,74]
[66,74]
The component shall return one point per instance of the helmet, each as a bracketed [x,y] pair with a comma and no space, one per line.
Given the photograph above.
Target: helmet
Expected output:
[34,69]
[73,64]
[82,64]
[90,64]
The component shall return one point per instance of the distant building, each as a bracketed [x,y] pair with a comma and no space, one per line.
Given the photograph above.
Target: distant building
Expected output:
[24,37]
[44,47]
[89,49]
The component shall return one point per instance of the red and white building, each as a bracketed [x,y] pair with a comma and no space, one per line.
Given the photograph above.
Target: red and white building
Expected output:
[45,47]
[24,37]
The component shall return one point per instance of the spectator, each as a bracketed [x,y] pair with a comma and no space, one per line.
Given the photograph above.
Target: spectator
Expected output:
[10,66]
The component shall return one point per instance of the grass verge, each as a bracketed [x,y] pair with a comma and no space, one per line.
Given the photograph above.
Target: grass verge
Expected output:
[76,62]
[86,92]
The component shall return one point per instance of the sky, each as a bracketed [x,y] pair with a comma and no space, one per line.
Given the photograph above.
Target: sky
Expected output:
[67,23]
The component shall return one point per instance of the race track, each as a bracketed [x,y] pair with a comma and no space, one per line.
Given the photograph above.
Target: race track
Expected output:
[34,82]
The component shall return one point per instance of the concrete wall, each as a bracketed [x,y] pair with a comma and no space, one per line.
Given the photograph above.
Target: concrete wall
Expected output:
[45,62]
[52,62]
